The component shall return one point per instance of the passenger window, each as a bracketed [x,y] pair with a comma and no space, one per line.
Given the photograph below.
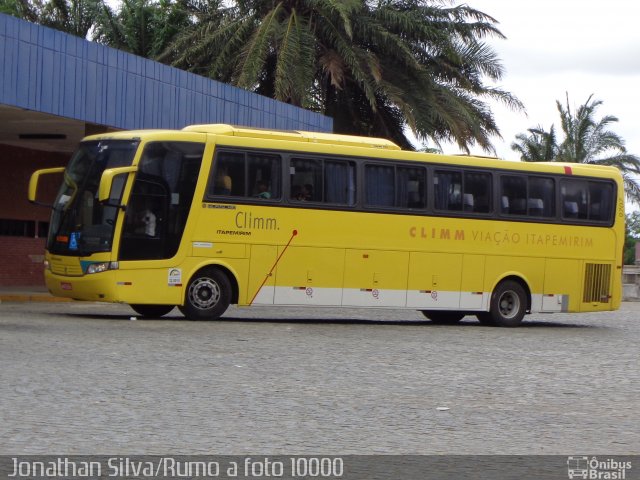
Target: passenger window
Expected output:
[467,192]
[340,182]
[254,175]
[380,189]
[602,201]
[448,190]
[542,198]
[326,181]
[263,172]
[411,187]
[513,195]
[477,192]
[228,175]
[587,200]
[306,180]
[574,195]
[389,186]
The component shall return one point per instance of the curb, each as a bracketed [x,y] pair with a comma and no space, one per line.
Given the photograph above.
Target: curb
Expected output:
[28,297]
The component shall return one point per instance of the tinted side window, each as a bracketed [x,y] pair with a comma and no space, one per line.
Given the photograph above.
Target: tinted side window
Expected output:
[586,199]
[542,198]
[513,195]
[448,190]
[239,174]
[574,195]
[263,173]
[339,182]
[411,187]
[477,192]
[306,180]
[458,191]
[380,188]
[601,197]
[524,195]
[229,178]
[389,186]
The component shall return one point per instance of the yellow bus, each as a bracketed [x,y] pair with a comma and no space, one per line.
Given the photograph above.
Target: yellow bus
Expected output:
[214,215]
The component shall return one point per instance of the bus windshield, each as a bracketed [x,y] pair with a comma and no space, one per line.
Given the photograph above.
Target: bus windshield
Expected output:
[79,224]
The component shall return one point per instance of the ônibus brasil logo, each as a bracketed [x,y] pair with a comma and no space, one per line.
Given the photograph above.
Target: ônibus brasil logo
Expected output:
[594,468]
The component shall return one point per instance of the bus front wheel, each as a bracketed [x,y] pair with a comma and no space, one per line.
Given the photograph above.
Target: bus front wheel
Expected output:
[208,295]
[508,304]
[151,311]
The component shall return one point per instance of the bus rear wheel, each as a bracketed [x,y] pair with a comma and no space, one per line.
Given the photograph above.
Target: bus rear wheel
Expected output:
[443,318]
[508,304]
[208,295]
[151,311]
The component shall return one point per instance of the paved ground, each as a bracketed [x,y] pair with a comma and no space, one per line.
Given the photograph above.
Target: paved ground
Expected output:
[84,378]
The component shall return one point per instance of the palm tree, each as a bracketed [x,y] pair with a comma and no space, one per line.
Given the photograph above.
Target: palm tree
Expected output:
[538,146]
[375,67]
[141,27]
[10,7]
[586,140]
[76,17]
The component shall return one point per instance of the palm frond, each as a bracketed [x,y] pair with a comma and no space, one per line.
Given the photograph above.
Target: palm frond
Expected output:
[295,65]
[254,55]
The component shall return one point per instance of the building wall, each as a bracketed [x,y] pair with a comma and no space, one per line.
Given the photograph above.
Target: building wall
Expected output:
[21,249]
[18,165]
[22,261]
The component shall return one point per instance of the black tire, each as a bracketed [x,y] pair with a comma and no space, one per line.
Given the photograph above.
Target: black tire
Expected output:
[508,304]
[208,295]
[443,317]
[152,311]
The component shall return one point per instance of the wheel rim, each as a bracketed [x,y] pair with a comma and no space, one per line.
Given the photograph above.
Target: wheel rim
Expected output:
[204,293]
[509,304]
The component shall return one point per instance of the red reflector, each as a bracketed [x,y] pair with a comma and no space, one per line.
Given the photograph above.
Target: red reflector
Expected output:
[567,170]
[65,285]
[62,239]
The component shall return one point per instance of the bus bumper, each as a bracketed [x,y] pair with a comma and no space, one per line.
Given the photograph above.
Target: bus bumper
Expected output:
[97,287]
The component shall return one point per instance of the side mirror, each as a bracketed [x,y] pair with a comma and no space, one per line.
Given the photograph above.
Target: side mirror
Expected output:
[33,182]
[106,182]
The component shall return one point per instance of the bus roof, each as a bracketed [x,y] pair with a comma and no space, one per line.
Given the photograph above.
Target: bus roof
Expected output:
[295,135]
[386,148]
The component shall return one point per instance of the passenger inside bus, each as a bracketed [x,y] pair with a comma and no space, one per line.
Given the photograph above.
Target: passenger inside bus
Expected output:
[262,189]
[302,192]
[223,182]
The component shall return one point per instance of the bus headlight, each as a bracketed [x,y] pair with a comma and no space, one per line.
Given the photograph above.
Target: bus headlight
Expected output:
[101,267]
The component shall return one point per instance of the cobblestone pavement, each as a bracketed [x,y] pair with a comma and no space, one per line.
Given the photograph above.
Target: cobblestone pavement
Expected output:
[82,378]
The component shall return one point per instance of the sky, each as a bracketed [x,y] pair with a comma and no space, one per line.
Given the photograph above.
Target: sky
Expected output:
[555,47]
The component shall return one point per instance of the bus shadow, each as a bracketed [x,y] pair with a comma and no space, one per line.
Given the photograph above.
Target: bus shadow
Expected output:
[533,324]
[426,323]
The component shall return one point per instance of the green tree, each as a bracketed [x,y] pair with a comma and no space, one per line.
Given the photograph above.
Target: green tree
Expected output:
[375,67]
[76,17]
[586,140]
[10,7]
[632,237]
[141,27]
[538,146]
